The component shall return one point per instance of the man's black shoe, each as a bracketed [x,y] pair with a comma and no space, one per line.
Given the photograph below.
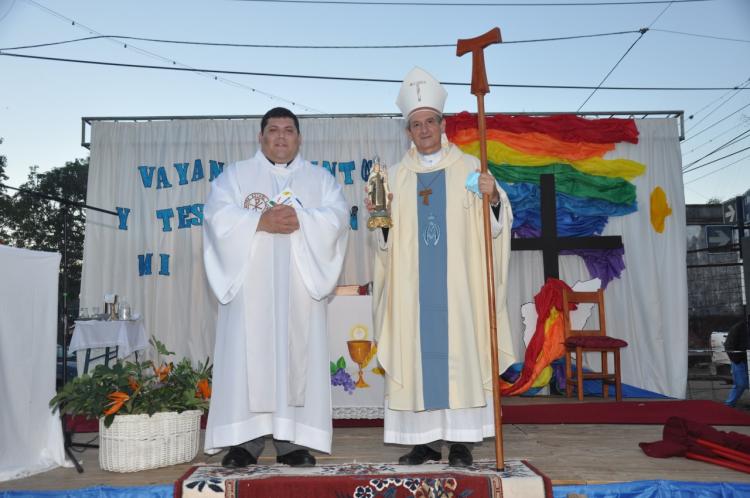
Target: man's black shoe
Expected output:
[460,456]
[419,455]
[297,458]
[238,457]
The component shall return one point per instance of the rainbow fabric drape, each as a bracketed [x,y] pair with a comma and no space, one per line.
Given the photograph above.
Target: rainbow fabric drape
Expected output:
[546,345]
[589,188]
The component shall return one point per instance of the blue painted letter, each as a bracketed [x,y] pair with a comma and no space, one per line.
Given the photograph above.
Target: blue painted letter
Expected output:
[162,181]
[347,169]
[122,214]
[197,171]
[182,169]
[217,168]
[144,264]
[164,263]
[147,175]
[164,215]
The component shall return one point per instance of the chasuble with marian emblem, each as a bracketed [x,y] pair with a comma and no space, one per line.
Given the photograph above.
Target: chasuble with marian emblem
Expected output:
[430,298]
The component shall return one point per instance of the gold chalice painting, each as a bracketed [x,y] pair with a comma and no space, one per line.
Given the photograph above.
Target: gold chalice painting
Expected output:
[361,350]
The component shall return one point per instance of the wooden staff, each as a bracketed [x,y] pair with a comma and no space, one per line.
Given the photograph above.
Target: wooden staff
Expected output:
[480,88]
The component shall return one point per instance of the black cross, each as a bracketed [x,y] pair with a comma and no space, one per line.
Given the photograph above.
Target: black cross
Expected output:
[549,243]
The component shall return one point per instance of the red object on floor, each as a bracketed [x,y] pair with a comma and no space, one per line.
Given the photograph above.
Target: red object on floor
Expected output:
[697,441]
[624,412]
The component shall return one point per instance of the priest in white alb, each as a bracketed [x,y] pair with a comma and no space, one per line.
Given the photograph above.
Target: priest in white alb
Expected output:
[274,238]
[430,304]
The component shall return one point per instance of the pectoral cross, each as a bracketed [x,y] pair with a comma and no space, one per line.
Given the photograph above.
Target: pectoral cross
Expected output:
[426,193]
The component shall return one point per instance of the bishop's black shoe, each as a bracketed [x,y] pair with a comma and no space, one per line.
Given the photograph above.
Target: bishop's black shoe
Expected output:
[460,456]
[297,458]
[238,457]
[419,455]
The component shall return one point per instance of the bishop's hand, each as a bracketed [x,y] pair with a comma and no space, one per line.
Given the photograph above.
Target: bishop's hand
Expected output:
[488,186]
[279,219]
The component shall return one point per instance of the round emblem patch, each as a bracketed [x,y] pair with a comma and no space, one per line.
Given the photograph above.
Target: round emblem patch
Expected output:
[257,201]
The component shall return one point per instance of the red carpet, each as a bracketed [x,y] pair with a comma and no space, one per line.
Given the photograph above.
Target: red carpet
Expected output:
[371,480]
[625,412]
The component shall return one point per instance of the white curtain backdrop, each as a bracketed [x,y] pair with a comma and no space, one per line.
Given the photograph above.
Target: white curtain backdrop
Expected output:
[31,439]
[647,306]
[179,308]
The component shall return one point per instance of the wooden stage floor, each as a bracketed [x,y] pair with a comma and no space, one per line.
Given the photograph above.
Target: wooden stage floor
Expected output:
[567,454]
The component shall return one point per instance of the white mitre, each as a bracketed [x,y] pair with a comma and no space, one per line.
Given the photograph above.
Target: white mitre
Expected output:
[420,91]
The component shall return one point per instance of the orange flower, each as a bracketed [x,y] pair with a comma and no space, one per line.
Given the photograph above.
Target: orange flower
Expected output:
[118,399]
[204,389]
[163,371]
[132,383]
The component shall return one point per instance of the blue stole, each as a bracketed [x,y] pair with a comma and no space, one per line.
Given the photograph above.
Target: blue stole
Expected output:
[433,290]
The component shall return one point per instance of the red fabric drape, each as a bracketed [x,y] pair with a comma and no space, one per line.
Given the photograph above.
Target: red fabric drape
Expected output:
[566,127]
[550,296]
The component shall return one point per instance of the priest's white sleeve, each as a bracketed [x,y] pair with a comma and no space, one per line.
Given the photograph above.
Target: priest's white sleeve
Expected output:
[228,232]
[319,246]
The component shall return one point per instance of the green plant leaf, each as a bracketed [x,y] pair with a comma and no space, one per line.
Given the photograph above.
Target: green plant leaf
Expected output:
[88,394]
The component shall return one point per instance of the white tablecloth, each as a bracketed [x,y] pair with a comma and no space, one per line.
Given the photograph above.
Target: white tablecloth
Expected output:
[350,318]
[127,335]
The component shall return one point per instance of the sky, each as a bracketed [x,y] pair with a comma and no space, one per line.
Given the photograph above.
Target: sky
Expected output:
[689,44]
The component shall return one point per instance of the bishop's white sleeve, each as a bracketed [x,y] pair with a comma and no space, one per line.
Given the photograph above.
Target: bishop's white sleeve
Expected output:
[319,246]
[228,232]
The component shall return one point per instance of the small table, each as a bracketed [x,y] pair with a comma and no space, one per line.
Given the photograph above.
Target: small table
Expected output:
[119,338]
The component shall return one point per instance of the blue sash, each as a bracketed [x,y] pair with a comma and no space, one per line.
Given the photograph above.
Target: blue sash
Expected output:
[433,290]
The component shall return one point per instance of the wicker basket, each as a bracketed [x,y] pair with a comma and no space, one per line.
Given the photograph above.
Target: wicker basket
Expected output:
[139,442]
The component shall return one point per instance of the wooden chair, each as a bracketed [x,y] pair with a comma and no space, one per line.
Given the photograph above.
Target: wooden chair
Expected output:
[580,341]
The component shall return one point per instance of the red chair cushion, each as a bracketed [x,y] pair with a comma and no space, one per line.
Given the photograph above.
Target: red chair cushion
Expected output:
[595,342]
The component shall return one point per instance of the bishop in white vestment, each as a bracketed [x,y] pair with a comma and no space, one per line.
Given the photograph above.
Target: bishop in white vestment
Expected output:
[275,235]
[430,299]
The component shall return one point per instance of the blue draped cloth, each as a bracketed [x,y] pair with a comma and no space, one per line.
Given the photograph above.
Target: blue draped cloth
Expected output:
[576,217]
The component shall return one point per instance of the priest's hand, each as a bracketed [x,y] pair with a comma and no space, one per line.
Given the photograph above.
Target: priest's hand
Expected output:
[279,219]
[488,186]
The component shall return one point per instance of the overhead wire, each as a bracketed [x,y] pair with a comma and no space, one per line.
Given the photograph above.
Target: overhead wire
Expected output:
[716,122]
[643,31]
[734,93]
[316,47]
[715,160]
[343,47]
[718,169]
[713,37]
[7,10]
[173,62]
[728,130]
[729,143]
[354,79]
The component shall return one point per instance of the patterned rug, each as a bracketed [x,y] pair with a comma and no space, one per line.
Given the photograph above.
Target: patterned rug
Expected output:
[366,480]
